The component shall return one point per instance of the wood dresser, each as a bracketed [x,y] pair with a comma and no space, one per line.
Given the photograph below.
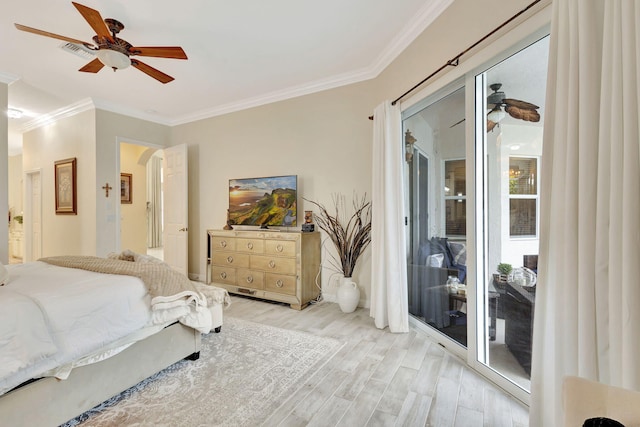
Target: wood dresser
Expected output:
[272,265]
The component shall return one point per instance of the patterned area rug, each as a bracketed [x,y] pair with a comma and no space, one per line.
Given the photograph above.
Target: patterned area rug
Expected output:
[243,375]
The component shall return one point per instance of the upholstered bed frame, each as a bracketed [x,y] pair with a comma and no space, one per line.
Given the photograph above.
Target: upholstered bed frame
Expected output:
[50,402]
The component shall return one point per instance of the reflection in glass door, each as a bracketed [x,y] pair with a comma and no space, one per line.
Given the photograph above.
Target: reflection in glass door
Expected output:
[510,99]
[436,179]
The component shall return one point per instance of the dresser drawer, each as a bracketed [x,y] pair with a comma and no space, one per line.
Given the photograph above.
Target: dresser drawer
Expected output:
[280,247]
[280,283]
[250,278]
[223,275]
[223,243]
[255,246]
[230,259]
[273,264]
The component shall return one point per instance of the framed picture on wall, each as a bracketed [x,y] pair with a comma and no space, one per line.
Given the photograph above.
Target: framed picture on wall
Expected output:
[126,188]
[65,181]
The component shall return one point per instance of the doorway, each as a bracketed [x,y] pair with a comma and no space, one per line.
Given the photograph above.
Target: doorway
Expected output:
[33,215]
[141,199]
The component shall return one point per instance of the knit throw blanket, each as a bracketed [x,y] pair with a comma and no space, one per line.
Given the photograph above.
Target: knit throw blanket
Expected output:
[160,279]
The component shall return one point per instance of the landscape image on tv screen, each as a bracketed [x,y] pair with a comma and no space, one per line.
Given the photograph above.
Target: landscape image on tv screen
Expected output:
[267,201]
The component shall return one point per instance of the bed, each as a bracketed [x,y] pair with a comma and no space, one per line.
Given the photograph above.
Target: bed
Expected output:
[75,331]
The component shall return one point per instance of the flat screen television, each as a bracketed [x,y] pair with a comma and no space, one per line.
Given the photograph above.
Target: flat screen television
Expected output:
[267,201]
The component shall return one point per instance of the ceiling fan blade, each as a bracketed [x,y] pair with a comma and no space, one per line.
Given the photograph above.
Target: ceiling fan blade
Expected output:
[94,19]
[490,125]
[150,71]
[92,67]
[520,104]
[52,35]
[174,52]
[522,113]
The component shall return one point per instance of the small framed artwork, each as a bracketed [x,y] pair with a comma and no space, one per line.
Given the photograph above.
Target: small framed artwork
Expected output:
[126,188]
[65,180]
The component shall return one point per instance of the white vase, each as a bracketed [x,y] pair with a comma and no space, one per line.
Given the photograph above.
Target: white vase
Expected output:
[348,295]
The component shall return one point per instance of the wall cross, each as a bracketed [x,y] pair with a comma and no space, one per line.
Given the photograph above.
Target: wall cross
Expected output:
[106,189]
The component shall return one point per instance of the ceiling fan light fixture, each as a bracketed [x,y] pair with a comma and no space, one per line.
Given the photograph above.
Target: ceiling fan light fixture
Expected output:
[496,115]
[113,59]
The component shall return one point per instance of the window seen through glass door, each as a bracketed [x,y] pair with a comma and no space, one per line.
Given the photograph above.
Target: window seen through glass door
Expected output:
[455,196]
[523,197]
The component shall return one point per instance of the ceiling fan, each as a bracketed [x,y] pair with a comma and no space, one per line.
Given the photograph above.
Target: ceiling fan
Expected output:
[514,107]
[112,51]
[497,100]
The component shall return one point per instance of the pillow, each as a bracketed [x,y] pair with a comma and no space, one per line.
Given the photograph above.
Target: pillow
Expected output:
[438,245]
[126,255]
[147,259]
[4,275]
[435,260]
[129,255]
[458,252]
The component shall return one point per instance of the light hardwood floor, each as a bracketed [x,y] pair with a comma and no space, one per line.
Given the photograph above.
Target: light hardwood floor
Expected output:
[379,378]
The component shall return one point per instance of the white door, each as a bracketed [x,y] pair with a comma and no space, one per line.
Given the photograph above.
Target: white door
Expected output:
[33,217]
[175,234]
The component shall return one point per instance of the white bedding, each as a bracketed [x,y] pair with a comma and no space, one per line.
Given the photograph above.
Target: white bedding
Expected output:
[52,316]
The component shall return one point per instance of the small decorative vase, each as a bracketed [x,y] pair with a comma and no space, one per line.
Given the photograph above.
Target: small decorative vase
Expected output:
[348,295]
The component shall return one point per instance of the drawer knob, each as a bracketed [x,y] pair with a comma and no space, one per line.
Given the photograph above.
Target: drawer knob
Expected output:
[279,283]
[223,275]
[272,264]
[229,259]
[223,243]
[250,245]
[249,279]
[279,248]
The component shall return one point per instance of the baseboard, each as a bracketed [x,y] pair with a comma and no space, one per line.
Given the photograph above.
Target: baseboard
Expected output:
[197,277]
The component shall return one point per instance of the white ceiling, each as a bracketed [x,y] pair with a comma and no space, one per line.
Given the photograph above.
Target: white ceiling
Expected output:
[241,53]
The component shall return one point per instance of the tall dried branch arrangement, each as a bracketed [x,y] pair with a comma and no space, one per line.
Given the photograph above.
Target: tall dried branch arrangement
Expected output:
[350,237]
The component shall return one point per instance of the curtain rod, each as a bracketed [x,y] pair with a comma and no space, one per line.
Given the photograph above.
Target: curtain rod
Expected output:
[456,59]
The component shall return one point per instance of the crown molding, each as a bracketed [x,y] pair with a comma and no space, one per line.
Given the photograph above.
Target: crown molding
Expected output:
[61,113]
[85,105]
[280,95]
[425,17]
[8,78]
[129,112]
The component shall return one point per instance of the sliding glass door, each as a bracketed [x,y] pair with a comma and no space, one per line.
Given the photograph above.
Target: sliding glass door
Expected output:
[436,202]
[473,161]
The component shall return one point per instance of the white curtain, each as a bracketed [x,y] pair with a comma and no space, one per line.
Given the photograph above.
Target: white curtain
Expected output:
[154,202]
[389,303]
[587,318]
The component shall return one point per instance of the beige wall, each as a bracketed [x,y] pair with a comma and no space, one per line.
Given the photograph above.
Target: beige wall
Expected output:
[112,129]
[93,137]
[324,139]
[133,217]
[68,137]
